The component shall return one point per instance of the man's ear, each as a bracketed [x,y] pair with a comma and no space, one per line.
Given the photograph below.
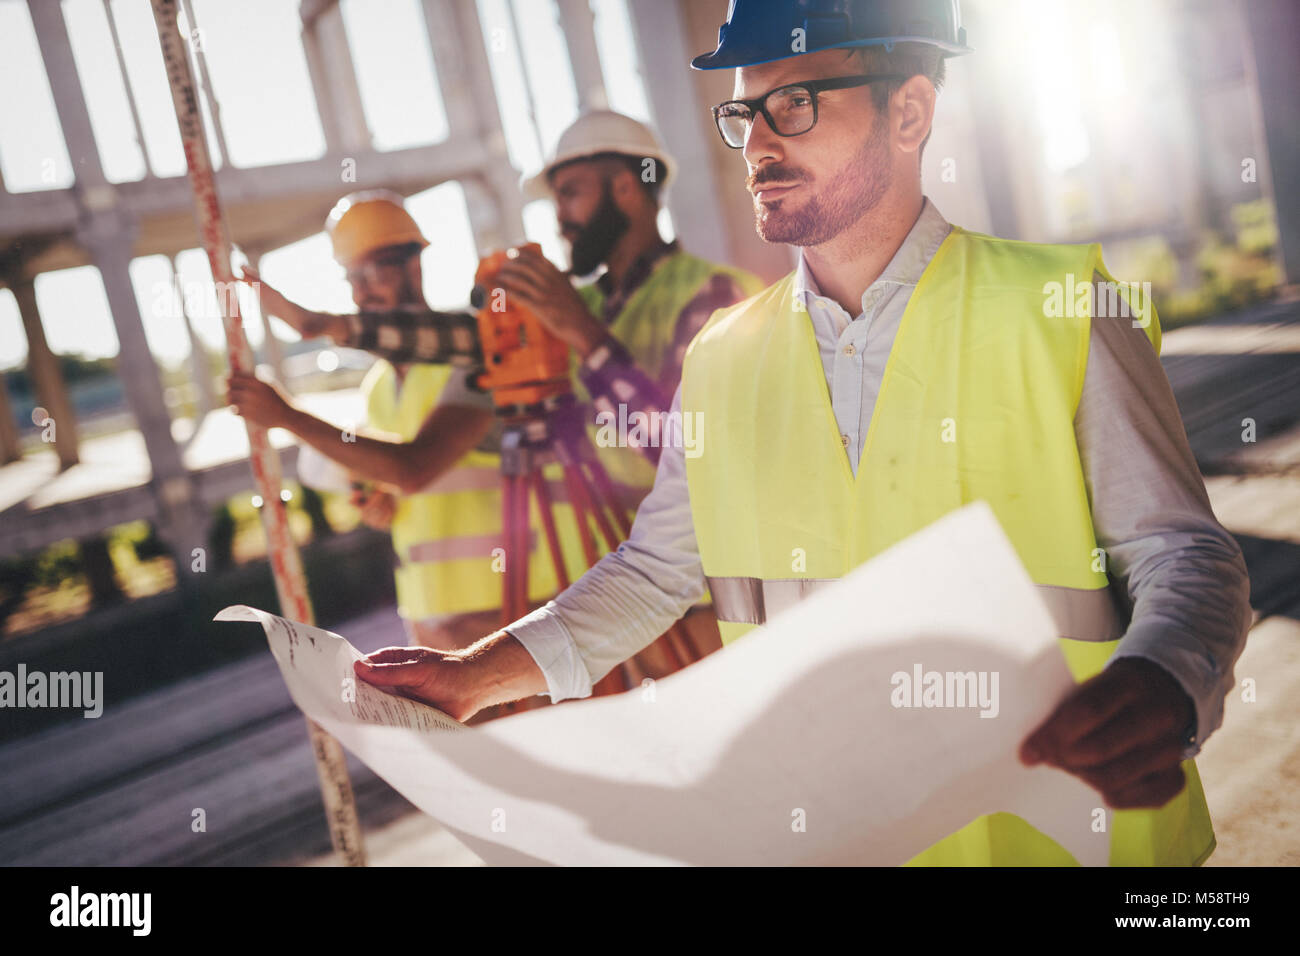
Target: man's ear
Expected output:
[914,102]
[626,188]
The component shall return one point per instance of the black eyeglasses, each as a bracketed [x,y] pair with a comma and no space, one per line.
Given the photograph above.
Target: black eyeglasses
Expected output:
[789,110]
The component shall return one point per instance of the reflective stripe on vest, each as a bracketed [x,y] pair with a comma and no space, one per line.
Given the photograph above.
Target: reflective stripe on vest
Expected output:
[1079,614]
[465,479]
[466,546]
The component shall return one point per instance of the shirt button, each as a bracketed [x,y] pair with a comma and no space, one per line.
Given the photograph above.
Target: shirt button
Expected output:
[850,350]
[844,440]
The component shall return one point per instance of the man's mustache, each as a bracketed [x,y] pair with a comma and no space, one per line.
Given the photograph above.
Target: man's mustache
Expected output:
[775,175]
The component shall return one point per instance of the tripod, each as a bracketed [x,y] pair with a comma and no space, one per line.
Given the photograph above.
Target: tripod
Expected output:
[536,435]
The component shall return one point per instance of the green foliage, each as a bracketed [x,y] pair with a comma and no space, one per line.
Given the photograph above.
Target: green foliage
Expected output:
[1232,272]
[74,368]
[1256,226]
[57,564]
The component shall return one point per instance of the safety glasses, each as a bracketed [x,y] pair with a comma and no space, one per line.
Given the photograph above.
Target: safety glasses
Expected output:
[789,110]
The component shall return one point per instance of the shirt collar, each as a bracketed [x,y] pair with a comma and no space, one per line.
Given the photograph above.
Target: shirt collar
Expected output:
[636,274]
[905,268]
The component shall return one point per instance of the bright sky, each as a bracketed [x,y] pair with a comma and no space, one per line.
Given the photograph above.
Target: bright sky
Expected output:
[403,105]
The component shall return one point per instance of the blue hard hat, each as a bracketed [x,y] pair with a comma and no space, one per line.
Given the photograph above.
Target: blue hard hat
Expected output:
[758,31]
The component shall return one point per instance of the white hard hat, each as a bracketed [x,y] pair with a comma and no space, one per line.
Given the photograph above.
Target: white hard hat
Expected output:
[600,131]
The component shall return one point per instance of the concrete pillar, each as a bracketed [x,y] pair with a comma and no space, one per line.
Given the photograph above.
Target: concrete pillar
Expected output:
[333,78]
[578,24]
[712,211]
[108,234]
[130,93]
[465,77]
[995,131]
[1274,28]
[108,237]
[47,379]
[10,449]
[318,72]
[683,124]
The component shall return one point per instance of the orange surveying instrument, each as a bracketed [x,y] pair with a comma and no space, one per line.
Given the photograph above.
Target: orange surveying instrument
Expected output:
[528,371]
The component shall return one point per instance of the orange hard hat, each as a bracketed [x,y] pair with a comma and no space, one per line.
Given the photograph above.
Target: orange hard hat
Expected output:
[362,222]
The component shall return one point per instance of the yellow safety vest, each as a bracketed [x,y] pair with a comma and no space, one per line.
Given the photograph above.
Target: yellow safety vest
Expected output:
[646,327]
[445,538]
[977,359]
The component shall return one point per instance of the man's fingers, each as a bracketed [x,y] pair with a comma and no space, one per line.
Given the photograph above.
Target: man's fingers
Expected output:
[519,284]
[542,267]
[525,273]
[403,674]
[1130,768]
[394,655]
[1086,709]
[1133,728]
[1154,790]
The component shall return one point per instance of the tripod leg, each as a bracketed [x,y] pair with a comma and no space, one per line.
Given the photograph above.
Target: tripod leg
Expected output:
[603,505]
[507,586]
[578,498]
[615,682]
[572,456]
[591,500]
[600,479]
[546,508]
[675,640]
[523,540]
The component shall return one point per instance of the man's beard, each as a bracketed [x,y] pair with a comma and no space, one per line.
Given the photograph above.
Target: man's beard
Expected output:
[596,239]
[853,192]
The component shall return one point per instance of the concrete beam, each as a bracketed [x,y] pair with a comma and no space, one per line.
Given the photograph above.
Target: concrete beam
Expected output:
[57,211]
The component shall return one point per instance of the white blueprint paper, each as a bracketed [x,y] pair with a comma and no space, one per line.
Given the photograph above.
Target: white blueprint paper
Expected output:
[783,748]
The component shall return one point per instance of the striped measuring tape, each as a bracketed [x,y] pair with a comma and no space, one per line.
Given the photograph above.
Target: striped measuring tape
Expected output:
[286,563]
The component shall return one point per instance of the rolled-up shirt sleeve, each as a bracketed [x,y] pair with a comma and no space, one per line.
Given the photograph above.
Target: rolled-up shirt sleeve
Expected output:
[631,595]
[1183,574]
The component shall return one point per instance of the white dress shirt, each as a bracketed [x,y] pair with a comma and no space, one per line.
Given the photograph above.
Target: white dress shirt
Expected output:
[1183,573]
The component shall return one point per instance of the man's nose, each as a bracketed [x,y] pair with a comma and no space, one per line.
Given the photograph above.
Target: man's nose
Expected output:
[761,143]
